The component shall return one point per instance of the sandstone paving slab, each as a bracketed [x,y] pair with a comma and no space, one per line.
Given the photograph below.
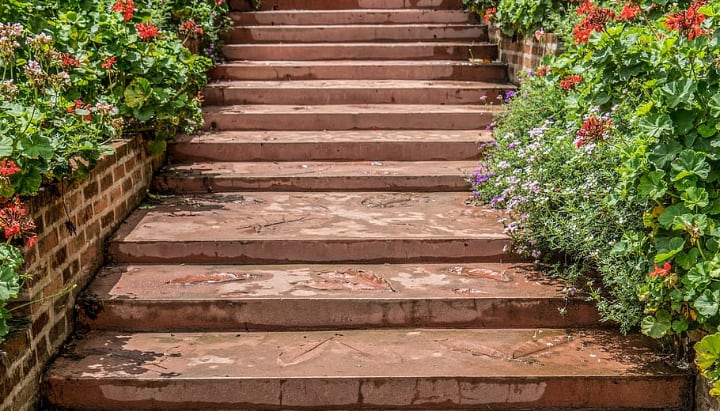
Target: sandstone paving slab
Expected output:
[232,297]
[312,92]
[349,117]
[245,5]
[445,50]
[367,16]
[367,369]
[310,227]
[329,145]
[316,176]
[360,69]
[355,33]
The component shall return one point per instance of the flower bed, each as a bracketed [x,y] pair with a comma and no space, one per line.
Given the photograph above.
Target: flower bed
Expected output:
[607,166]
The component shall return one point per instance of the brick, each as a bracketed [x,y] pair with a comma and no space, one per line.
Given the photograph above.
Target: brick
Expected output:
[130,165]
[106,181]
[91,189]
[38,325]
[58,258]
[108,220]
[59,331]
[69,273]
[48,242]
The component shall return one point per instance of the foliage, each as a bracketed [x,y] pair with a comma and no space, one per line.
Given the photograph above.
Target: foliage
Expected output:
[707,360]
[78,73]
[524,17]
[622,179]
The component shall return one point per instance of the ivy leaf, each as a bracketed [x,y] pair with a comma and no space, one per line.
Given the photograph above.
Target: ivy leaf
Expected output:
[690,163]
[653,185]
[708,303]
[656,326]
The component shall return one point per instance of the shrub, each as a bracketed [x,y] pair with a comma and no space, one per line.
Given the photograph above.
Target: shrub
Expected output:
[77,74]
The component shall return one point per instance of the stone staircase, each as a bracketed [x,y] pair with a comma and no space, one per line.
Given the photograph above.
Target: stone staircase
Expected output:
[314,250]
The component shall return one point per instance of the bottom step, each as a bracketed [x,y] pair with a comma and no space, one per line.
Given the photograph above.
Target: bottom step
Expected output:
[368,370]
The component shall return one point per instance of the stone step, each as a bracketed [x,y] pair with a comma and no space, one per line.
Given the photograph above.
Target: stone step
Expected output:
[341,17]
[358,69]
[377,145]
[482,52]
[284,228]
[349,117]
[216,177]
[278,5]
[221,297]
[356,33]
[301,297]
[538,369]
[313,92]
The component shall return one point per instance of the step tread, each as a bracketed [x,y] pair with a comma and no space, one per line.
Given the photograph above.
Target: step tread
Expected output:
[415,44]
[361,84]
[368,16]
[350,136]
[322,27]
[253,169]
[303,63]
[382,368]
[353,109]
[310,216]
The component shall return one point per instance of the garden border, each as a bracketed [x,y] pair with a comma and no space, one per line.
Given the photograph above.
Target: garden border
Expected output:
[95,208]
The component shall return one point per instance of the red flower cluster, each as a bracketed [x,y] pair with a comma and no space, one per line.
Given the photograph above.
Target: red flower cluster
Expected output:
[191,27]
[126,7]
[661,272]
[489,13]
[108,64]
[542,71]
[147,31]
[594,20]
[570,81]
[629,11]
[592,129]
[69,61]
[8,168]
[16,223]
[688,22]
[79,104]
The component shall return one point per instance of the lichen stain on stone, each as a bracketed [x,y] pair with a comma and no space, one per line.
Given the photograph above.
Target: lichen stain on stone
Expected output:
[480,273]
[213,278]
[349,279]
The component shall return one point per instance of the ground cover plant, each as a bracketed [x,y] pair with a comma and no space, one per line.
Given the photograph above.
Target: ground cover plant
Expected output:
[607,164]
[75,75]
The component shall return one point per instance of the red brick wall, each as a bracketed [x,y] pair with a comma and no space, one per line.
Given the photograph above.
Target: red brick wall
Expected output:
[523,54]
[95,207]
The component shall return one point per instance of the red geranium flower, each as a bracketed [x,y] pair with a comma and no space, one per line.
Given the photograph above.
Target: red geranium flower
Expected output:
[629,11]
[107,64]
[661,272]
[191,27]
[595,20]
[126,7]
[489,13]
[147,31]
[16,223]
[592,129]
[570,81]
[8,167]
[69,61]
[688,22]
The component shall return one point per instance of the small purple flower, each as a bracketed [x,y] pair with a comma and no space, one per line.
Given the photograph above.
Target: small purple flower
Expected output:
[509,94]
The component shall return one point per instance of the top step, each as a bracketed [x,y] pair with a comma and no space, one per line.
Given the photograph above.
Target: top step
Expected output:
[342,17]
[246,5]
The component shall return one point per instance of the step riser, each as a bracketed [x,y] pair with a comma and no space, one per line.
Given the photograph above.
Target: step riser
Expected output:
[370,71]
[350,51]
[340,121]
[326,18]
[661,393]
[329,314]
[312,251]
[246,5]
[217,95]
[194,185]
[331,151]
[339,34]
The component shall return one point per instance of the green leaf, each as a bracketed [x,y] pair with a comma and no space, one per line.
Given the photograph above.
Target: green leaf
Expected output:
[35,146]
[708,303]
[656,326]
[667,218]
[656,125]
[680,91]
[714,105]
[690,163]
[664,153]
[138,93]
[684,121]
[695,198]
[6,146]
[707,352]
[706,131]
[670,249]
[653,185]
